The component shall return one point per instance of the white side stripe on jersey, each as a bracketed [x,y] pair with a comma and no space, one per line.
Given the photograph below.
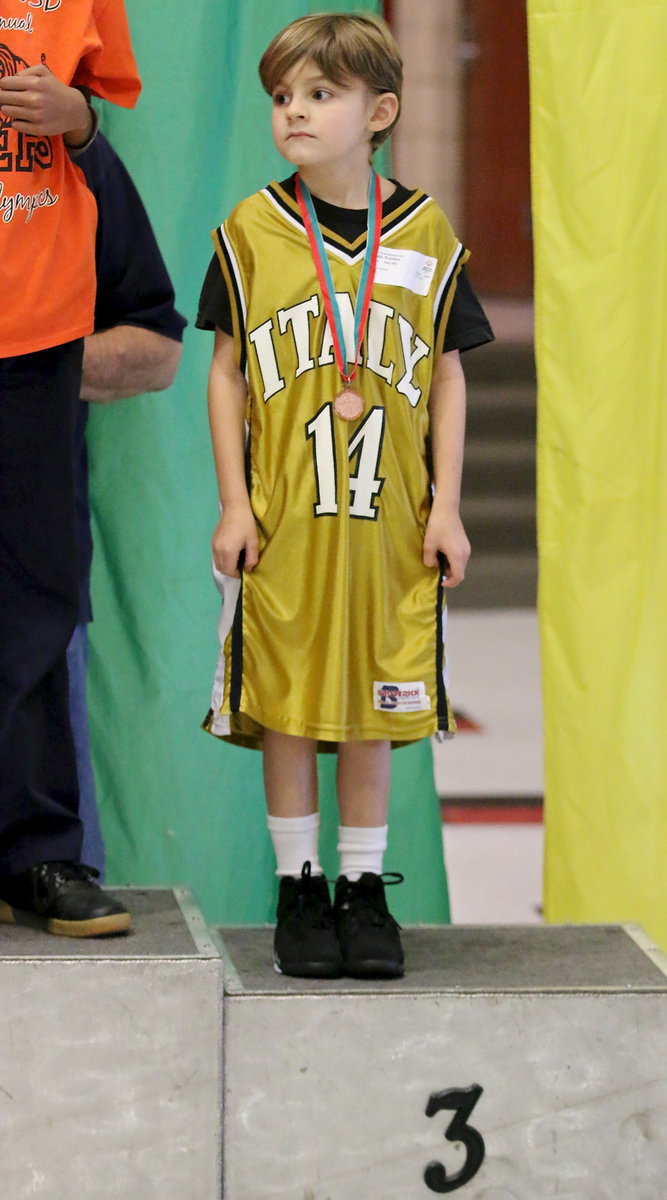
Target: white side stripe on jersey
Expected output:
[229,589]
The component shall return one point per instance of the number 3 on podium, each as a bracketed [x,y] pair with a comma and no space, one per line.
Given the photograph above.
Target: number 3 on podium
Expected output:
[461,1101]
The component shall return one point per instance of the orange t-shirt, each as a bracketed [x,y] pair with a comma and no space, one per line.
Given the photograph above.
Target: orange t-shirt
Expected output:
[47,214]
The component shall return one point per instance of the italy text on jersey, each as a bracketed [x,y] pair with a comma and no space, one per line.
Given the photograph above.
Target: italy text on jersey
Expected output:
[311,351]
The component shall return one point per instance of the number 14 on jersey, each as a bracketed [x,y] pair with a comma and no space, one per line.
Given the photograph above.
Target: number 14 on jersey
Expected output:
[363,452]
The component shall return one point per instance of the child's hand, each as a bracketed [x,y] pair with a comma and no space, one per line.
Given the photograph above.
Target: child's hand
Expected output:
[37,102]
[235,532]
[445,535]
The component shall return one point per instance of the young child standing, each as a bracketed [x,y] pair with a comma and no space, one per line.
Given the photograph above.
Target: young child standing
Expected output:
[330,294]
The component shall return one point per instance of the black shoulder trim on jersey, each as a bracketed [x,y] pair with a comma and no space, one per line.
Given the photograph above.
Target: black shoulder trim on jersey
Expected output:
[228,268]
[336,241]
[284,201]
[444,301]
[291,209]
[415,202]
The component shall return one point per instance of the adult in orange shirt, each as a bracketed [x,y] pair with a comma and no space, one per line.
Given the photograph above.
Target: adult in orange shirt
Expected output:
[53,54]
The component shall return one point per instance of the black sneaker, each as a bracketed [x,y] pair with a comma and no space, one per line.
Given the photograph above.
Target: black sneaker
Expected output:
[367,933]
[63,898]
[305,940]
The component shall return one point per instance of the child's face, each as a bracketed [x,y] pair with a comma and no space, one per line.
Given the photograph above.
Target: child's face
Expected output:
[317,123]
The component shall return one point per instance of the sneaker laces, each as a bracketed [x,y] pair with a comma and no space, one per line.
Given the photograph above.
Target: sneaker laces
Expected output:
[312,900]
[364,897]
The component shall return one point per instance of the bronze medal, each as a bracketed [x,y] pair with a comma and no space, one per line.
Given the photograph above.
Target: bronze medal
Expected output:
[348,405]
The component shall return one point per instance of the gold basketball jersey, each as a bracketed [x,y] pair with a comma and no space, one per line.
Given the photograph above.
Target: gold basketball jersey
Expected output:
[337,634]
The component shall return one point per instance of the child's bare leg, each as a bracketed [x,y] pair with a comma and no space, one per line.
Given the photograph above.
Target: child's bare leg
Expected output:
[362,781]
[290,783]
[290,774]
[363,778]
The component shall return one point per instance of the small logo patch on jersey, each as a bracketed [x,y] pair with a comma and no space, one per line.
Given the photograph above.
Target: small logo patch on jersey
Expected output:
[400,697]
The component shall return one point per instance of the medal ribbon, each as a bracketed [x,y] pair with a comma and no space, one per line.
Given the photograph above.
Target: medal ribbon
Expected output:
[363,301]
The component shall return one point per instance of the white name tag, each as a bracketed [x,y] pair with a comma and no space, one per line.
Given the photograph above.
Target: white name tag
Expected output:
[400,697]
[405,268]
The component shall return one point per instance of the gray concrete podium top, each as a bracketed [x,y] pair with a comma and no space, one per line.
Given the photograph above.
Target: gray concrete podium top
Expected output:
[470,959]
[166,923]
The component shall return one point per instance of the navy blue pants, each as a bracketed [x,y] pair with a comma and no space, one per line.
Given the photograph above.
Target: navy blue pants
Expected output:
[92,849]
[39,599]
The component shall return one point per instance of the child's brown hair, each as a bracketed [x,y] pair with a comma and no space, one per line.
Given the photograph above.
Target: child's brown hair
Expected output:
[344,46]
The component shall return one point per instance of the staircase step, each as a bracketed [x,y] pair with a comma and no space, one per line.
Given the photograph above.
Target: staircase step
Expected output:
[497,522]
[499,361]
[493,465]
[497,580]
[502,412]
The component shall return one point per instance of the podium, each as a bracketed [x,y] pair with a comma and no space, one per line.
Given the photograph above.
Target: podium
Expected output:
[511,1063]
[111,1059]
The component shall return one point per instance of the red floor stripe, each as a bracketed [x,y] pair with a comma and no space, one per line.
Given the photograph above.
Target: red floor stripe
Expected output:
[491,814]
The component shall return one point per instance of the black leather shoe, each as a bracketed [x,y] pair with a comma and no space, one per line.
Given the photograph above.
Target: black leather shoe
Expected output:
[63,898]
[368,935]
[305,940]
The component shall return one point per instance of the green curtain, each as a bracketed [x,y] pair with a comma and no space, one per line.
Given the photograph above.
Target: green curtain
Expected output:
[177,805]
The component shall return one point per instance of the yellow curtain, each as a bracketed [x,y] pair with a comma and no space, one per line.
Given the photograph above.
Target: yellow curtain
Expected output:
[599,152]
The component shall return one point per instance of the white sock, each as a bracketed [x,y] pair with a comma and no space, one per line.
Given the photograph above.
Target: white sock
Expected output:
[361,849]
[295,842]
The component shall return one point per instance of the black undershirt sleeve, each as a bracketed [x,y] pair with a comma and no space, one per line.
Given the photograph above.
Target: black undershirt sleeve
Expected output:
[214,308]
[467,324]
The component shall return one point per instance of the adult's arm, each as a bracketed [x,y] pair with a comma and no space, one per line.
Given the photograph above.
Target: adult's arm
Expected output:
[127,361]
[134,290]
